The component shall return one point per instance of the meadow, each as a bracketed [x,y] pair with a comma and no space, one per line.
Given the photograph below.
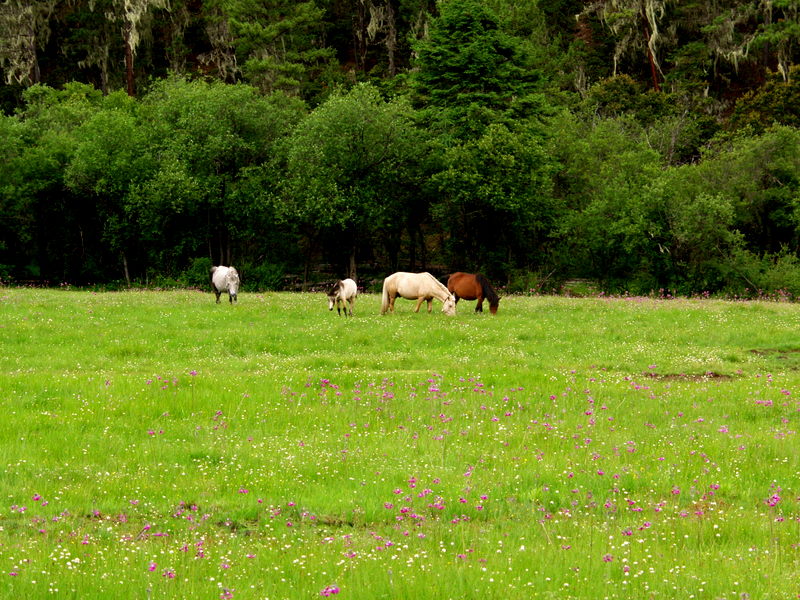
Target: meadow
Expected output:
[158,445]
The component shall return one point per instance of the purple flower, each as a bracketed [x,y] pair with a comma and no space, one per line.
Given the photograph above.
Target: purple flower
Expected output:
[329,590]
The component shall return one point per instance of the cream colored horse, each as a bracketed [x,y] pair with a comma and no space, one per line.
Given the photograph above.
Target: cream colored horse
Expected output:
[416,286]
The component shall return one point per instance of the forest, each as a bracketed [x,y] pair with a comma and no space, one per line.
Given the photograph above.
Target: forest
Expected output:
[643,146]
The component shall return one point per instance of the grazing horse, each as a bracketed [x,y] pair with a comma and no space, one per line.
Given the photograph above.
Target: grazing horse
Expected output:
[342,292]
[473,287]
[416,286]
[225,279]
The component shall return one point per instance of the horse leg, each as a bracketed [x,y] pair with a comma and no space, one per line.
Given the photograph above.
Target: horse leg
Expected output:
[419,303]
[352,302]
[430,305]
[479,305]
[218,293]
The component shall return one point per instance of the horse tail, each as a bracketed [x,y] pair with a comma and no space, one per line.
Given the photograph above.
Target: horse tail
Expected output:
[385,297]
[488,290]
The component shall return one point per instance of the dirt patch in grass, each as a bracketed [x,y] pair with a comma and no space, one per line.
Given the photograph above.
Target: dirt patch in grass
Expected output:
[708,375]
[777,353]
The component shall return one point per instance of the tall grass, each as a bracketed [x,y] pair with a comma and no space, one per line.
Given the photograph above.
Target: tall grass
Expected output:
[158,445]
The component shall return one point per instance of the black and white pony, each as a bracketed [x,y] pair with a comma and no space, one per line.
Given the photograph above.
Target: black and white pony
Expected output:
[344,291]
[225,279]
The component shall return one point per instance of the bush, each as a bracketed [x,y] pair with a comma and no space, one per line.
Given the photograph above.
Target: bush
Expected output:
[262,277]
[521,281]
[768,275]
[198,274]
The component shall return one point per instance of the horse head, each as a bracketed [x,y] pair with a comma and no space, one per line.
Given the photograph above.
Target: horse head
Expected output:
[449,305]
[232,280]
[333,294]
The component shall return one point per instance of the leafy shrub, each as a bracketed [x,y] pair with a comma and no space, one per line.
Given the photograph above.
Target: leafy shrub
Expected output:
[197,275]
[521,281]
[265,276]
[767,275]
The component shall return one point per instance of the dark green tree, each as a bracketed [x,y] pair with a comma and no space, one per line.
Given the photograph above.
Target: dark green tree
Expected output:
[109,160]
[349,168]
[469,69]
[496,204]
[280,45]
[210,140]
[53,233]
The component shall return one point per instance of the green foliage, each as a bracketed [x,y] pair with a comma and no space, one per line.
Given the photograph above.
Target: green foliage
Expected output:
[506,147]
[262,277]
[756,275]
[614,218]
[280,45]
[209,139]
[469,68]
[495,199]
[197,275]
[776,102]
[348,165]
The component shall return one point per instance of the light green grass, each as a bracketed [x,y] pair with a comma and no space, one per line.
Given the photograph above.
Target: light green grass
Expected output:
[157,445]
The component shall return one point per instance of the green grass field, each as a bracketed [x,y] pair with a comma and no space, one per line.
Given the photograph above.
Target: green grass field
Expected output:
[158,445]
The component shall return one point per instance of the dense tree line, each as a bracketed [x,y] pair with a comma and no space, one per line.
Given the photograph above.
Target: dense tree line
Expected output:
[646,144]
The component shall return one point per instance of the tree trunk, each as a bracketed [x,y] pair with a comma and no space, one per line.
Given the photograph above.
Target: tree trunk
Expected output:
[35,74]
[391,37]
[351,269]
[412,248]
[360,36]
[651,59]
[125,269]
[126,32]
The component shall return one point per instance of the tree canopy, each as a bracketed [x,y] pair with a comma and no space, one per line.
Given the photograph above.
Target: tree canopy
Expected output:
[646,144]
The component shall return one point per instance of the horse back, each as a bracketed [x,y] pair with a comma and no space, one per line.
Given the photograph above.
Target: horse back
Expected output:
[464,285]
[349,288]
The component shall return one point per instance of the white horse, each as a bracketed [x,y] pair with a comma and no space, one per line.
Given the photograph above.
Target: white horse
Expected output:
[419,287]
[225,279]
[344,291]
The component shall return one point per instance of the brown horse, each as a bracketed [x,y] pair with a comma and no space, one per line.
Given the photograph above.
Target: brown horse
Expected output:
[473,287]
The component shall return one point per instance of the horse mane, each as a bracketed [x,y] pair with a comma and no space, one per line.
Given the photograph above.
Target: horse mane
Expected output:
[488,290]
[335,288]
[437,281]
